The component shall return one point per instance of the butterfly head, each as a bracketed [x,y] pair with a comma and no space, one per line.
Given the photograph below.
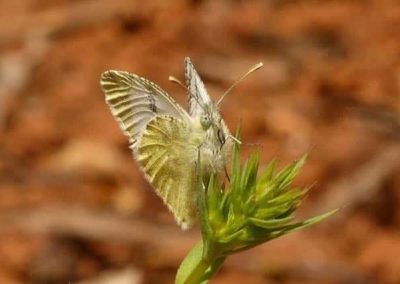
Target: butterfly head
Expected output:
[213,124]
[209,115]
[205,121]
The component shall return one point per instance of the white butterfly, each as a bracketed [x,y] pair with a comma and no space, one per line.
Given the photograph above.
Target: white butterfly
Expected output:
[166,139]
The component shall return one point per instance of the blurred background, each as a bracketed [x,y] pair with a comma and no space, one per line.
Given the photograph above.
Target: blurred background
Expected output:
[74,207]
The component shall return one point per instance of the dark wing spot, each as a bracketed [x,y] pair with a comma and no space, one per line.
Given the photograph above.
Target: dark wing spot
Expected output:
[152,103]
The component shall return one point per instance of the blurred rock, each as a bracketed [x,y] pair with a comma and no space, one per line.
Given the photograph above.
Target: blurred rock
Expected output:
[56,262]
[274,73]
[381,257]
[126,276]
[85,157]
[16,68]
[291,127]
[126,200]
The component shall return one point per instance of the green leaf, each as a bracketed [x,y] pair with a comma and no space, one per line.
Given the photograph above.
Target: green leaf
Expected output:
[191,265]
[270,224]
[195,268]
[202,202]
[216,264]
[274,212]
[310,221]
[286,176]
[287,197]
[249,178]
[228,238]
[214,199]
[267,174]
[225,205]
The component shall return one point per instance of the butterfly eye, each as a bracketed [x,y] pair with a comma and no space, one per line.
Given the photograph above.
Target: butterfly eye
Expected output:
[205,122]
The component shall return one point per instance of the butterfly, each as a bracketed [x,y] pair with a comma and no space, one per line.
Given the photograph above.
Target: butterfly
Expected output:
[165,139]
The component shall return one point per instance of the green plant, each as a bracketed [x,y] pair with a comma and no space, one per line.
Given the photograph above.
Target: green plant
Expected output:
[250,211]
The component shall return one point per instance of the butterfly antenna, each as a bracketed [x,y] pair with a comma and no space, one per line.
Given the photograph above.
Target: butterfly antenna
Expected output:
[176,81]
[179,82]
[252,69]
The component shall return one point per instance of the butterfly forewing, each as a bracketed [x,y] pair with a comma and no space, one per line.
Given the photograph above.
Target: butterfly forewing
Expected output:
[197,92]
[134,101]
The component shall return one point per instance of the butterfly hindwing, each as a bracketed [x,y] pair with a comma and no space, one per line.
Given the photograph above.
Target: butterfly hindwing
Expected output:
[167,158]
[134,101]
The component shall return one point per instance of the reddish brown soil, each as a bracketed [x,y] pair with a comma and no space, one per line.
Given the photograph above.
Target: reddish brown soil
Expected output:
[73,204]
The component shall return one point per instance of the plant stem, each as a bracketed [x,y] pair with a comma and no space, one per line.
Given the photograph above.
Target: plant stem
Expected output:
[204,270]
[198,273]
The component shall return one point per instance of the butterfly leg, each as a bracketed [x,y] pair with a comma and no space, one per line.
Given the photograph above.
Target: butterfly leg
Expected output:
[227,174]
